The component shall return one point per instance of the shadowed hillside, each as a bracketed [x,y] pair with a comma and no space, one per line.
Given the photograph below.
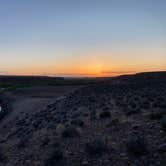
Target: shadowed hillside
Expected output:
[121,122]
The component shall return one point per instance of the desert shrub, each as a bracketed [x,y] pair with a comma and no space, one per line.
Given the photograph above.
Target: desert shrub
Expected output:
[137,145]
[131,111]
[155,104]
[93,115]
[70,131]
[3,114]
[163,123]
[159,104]
[56,156]
[106,108]
[105,114]
[133,105]
[113,122]
[118,103]
[162,148]
[45,141]
[145,105]
[36,123]
[75,115]
[163,105]
[3,157]
[85,114]
[23,142]
[156,114]
[78,122]
[96,146]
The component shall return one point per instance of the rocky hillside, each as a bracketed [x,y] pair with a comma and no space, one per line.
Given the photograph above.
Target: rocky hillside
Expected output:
[122,123]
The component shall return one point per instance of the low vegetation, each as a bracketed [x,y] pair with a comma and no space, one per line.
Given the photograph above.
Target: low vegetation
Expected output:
[56,156]
[14,82]
[137,144]
[163,123]
[97,125]
[77,122]
[69,132]
[105,114]
[96,146]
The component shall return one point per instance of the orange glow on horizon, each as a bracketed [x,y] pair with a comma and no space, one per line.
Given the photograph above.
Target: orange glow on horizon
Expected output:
[95,63]
[76,73]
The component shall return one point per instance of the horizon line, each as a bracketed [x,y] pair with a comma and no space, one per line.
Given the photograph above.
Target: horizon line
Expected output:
[76,76]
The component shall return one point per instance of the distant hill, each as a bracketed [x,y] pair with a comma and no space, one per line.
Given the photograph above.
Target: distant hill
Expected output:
[118,121]
[146,77]
[18,79]
[139,78]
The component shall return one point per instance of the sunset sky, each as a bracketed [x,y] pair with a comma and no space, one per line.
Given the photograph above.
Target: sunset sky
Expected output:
[82,37]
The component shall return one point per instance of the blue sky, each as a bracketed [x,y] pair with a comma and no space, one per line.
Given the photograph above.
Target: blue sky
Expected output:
[62,37]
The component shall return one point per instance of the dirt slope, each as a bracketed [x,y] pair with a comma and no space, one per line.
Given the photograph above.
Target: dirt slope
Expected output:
[120,124]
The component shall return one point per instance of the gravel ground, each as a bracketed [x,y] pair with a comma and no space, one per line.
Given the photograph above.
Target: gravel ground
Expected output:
[120,124]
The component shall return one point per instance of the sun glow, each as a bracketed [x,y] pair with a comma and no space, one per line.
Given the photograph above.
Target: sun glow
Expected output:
[92,63]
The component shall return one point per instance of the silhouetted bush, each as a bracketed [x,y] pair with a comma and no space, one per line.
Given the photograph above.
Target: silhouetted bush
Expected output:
[96,146]
[93,115]
[22,143]
[75,115]
[163,123]
[56,157]
[45,141]
[105,114]
[113,122]
[137,145]
[70,131]
[156,114]
[3,157]
[131,111]
[133,105]
[145,105]
[78,122]
[3,114]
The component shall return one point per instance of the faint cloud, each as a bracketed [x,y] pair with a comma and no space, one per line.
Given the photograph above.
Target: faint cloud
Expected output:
[3,73]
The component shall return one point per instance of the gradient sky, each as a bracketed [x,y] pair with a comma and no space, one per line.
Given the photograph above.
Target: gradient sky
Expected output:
[82,37]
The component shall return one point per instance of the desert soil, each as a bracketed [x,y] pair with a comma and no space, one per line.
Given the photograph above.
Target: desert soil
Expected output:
[120,124]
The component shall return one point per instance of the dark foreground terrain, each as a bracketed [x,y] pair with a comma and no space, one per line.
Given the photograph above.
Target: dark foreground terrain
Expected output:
[119,122]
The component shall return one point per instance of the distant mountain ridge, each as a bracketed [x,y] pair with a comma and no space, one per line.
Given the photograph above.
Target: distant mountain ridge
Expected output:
[143,77]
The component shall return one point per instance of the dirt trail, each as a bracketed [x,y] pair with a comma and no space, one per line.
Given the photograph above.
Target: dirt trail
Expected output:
[28,100]
[25,105]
